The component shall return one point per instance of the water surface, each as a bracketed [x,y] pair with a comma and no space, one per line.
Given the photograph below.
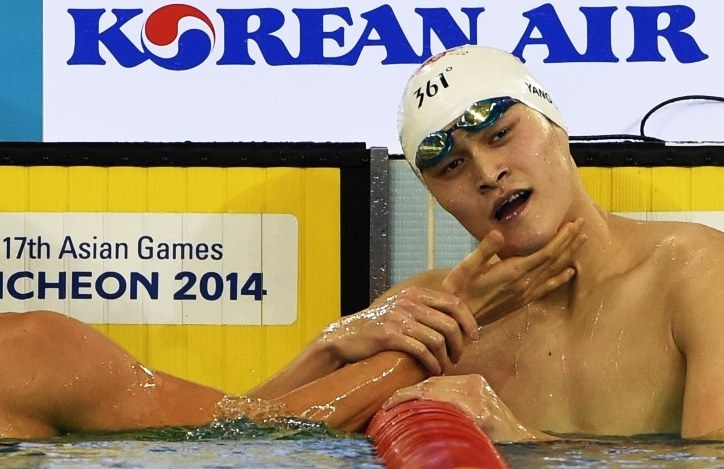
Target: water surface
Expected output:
[301,444]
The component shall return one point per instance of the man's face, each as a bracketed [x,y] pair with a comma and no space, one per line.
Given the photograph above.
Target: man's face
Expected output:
[516,176]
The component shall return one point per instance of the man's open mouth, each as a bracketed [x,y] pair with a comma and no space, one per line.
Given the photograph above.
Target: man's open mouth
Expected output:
[508,207]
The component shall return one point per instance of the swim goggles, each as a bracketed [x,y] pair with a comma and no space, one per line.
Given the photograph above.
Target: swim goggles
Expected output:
[478,116]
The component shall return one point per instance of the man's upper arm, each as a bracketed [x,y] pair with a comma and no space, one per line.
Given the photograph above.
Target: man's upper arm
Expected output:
[698,327]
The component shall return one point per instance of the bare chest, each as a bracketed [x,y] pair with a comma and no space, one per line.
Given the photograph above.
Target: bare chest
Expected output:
[604,363]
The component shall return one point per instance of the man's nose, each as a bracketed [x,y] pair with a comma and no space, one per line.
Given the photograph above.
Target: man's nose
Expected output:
[492,172]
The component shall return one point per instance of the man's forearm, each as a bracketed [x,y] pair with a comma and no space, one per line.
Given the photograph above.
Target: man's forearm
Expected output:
[315,361]
[348,398]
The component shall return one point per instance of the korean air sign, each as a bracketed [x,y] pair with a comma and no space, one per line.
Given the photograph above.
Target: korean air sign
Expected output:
[223,70]
[182,37]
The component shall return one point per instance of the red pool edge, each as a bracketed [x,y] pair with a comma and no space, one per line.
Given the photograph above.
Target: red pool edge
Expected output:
[425,434]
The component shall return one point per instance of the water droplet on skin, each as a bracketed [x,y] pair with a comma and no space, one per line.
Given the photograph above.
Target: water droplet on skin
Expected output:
[595,319]
[149,381]
[232,407]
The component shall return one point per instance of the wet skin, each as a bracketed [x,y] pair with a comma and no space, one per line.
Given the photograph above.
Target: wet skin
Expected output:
[63,376]
[629,346]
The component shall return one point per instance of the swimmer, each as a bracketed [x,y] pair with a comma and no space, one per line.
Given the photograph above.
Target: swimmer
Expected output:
[633,343]
[62,376]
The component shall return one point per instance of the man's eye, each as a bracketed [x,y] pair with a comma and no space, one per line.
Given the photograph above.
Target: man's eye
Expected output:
[452,165]
[500,134]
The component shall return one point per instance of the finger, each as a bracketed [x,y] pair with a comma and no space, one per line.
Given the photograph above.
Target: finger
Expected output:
[552,284]
[551,251]
[421,352]
[464,317]
[473,262]
[481,255]
[402,395]
[563,253]
[559,263]
[440,333]
[436,343]
[456,315]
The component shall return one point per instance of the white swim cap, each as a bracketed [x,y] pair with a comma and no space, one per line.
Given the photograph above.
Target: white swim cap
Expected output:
[447,83]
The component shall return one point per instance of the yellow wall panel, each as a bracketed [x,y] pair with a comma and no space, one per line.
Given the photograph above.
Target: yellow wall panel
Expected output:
[167,190]
[320,269]
[284,193]
[230,357]
[127,189]
[597,182]
[246,189]
[706,188]
[48,189]
[626,190]
[14,189]
[88,189]
[207,190]
[670,189]
[660,189]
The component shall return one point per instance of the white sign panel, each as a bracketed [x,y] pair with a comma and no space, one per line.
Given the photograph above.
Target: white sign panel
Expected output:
[151,268]
[320,70]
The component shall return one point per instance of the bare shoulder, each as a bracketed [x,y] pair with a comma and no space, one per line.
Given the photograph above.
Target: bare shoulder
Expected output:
[691,249]
[18,330]
[691,257]
[695,297]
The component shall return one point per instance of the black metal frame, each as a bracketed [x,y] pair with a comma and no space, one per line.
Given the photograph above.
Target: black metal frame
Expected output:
[353,160]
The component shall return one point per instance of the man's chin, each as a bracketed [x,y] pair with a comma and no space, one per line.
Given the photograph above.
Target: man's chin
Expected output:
[520,249]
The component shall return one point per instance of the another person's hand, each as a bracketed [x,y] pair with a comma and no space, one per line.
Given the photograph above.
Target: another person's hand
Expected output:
[492,288]
[427,324]
[473,395]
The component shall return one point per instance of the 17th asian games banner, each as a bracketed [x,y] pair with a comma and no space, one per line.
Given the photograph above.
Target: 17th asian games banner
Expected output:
[324,70]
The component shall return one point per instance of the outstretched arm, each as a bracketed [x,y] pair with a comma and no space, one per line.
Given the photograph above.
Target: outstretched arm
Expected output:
[348,398]
[62,376]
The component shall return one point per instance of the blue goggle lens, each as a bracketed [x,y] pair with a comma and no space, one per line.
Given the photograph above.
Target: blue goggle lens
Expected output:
[478,116]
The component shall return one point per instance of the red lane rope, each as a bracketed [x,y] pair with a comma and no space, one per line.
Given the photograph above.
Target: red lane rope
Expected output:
[431,434]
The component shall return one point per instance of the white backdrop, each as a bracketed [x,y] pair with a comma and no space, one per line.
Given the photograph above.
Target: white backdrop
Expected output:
[322,101]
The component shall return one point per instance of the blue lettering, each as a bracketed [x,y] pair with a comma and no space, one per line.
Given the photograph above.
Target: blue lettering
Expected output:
[441,22]
[135,279]
[382,29]
[382,22]
[149,285]
[311,39]
[88,37]
[646,34]
[237,37]
[15,278]
[81,286]
[599,20]
[77,283]
[111,295]
[44,284]
[545,20]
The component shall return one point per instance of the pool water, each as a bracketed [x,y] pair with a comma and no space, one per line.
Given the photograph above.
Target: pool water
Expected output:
[659,451]
[300,444]
[232,444]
